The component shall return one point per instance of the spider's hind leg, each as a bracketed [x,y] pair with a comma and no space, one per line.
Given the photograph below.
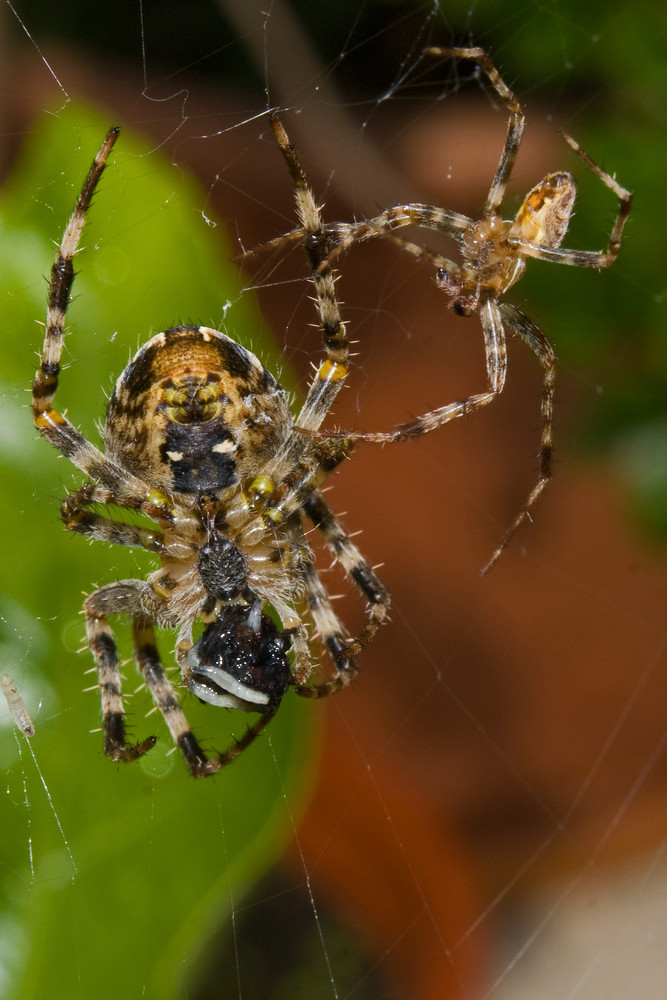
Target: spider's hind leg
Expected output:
[341,649]
[117,598]
[125,597]
[148,660]
[531,335]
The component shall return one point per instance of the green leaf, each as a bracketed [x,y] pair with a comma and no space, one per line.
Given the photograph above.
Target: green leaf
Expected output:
[114,877]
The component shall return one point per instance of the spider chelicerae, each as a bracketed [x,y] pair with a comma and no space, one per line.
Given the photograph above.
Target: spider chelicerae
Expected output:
[494,253]
[200,438]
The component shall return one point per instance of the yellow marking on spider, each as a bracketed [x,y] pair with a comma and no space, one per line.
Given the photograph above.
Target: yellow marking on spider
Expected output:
[262,486]
[332,371]
[530,229]
[50,418]
[158,499]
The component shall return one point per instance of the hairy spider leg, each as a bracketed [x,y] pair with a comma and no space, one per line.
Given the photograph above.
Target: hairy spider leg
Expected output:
[331,373]
[51,424]
[515,123]
[358,570]
[588,258]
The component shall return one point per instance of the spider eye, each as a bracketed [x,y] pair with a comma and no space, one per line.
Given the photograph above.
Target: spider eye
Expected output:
[192,399]
[237,665]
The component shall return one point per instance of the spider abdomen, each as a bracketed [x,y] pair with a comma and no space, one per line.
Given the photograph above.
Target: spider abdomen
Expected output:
[188,414]
[546,210]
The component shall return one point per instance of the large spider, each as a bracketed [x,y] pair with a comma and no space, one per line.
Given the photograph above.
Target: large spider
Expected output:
[494,253]
[199,437]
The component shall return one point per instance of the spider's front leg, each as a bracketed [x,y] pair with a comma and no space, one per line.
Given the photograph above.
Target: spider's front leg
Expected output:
[495,348]
[355,566]
[319,242]
[53,425]
[330,633]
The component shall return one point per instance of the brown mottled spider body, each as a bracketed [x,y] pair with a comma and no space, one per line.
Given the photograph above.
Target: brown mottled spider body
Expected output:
[199,436]
[194,411]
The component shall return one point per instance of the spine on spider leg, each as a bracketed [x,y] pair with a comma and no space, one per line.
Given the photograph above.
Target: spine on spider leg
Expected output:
[333,371]
[319,244]
[62,277]
[306,208]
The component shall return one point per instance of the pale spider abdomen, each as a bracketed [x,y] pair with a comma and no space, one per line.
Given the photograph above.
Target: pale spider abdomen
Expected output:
[546,211]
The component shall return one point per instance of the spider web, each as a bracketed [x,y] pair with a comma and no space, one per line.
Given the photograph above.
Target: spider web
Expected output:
[483,814]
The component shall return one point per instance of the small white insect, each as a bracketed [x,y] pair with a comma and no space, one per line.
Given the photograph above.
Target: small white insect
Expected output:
[16,706]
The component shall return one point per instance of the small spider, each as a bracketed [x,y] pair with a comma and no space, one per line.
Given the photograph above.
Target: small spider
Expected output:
[199,437]
[494,254]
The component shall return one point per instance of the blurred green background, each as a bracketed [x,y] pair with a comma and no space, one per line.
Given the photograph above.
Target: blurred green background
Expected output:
[140,864]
